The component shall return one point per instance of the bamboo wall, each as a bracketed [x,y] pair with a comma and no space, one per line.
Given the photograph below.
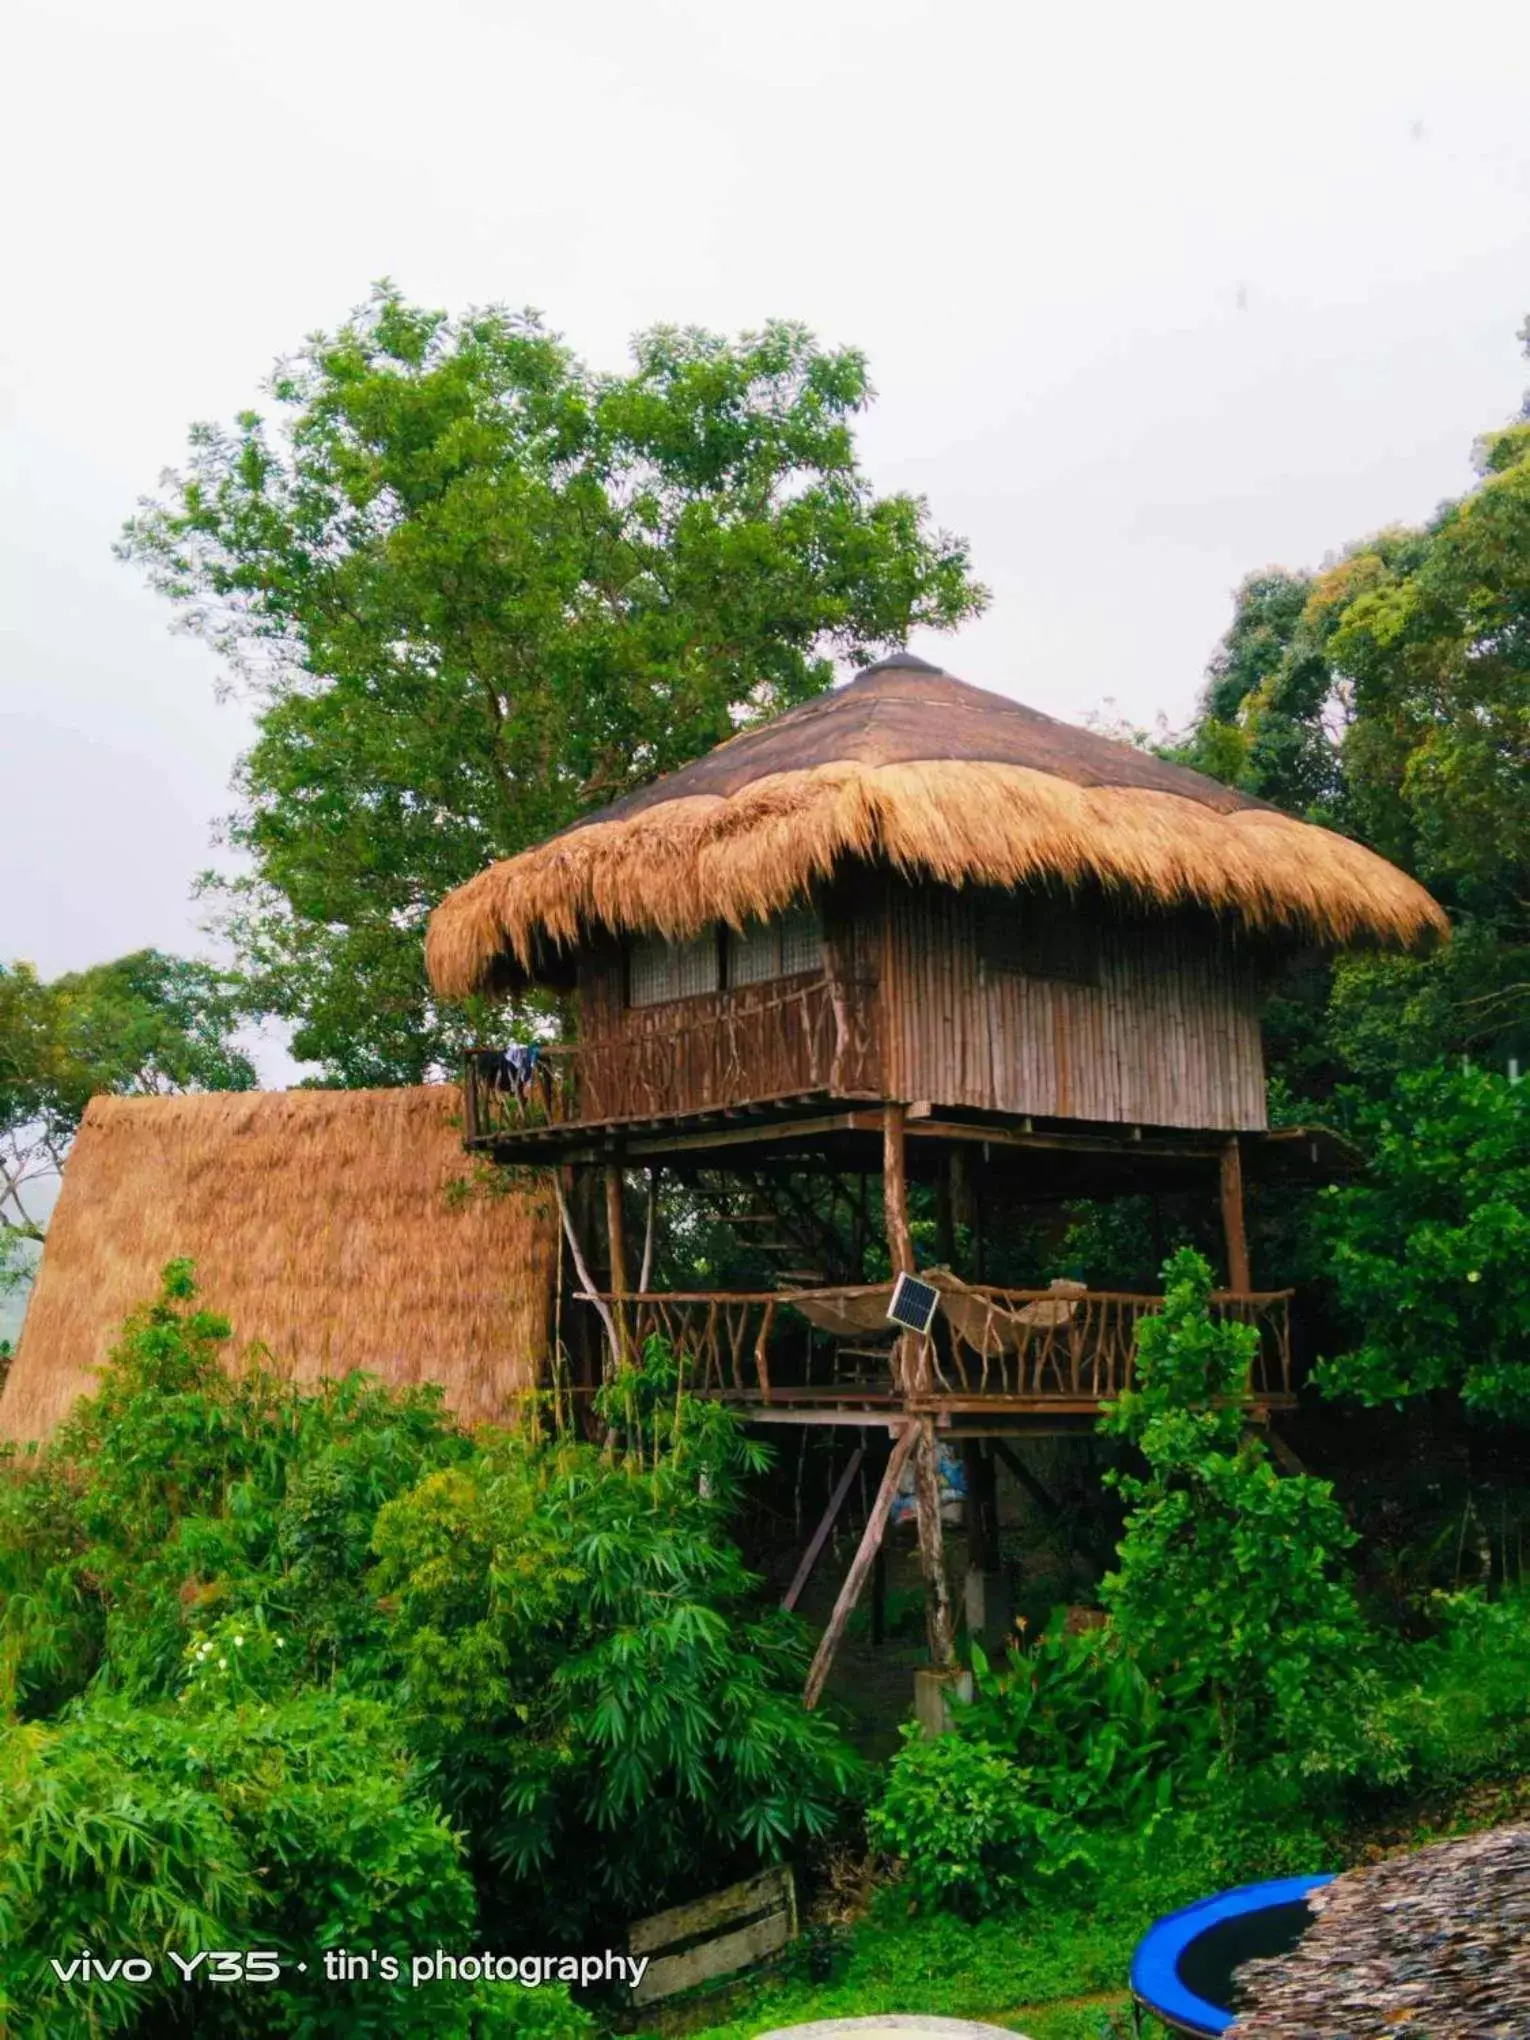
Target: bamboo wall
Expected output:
[1169,1036]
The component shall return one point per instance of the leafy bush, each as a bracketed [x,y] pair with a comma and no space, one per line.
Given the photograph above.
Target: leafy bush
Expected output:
[1226,1594]
[293,1668]
[1457,1706]
[583,1668]
[181,1491]
[964,1819]
[131,1829]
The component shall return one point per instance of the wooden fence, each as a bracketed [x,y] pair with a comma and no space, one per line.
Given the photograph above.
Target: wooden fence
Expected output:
[1026,1345]
[796,1037]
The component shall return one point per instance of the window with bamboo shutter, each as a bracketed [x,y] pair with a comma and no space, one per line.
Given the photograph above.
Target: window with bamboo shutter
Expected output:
[780,947]
[1032,935]
[658,971]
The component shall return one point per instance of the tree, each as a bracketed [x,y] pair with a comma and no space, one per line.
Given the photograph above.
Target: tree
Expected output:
[1225,1586]
[477,588]
[1430,1254]
[1268,717]
[147,1023]
[1389,696]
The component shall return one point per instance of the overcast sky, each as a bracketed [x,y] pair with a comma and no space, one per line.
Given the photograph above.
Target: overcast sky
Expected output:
[1153,295]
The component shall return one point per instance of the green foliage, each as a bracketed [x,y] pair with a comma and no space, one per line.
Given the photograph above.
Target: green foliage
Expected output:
[298,1668]
[1430,1254]
[962,1817]
[1265,720]
[292,1828]
[182,1492]
[147,1023]
[1457,1707]
[478,588]
[582,1666]
[1060,1745]
[1225,1590]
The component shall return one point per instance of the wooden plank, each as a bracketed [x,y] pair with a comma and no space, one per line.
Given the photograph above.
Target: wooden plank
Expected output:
[767,1890]
[860,1565]
[820,1536]
[667,1974]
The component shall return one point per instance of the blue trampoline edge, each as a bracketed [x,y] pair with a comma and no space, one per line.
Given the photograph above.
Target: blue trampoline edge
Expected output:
[1155,1978]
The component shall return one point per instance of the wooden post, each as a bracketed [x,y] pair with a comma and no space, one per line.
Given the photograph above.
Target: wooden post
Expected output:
[616,1229]
[616,1235]
[900,1241]
[912,1364]
[587,1288]
[1238,1276]
[860,1565]
[932,1556]
[982,1505]
[879,1598]
[650,1230]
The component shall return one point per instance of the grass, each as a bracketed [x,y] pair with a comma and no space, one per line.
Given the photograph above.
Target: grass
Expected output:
[1055,1969]
[1054,1973]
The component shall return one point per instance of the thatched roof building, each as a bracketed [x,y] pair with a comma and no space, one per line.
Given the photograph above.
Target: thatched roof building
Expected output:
[1430,1946]
[322,1224]
[912,769]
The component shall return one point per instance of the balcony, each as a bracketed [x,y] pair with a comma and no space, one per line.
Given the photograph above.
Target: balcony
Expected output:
[789,1041]
[830,1355]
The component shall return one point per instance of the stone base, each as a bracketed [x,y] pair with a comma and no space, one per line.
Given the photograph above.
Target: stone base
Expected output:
[933,1688]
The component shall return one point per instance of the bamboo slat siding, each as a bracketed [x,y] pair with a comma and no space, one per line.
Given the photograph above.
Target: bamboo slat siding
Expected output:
[915,1003]
[1169,1036]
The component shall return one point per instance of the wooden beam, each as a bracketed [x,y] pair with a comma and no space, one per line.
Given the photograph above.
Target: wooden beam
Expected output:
[860,1565]
[820,1536]
[912,1371]
[581,1266]
[650,1229]
[616,1230]
[1013,1136]
[1238,1276]
[900,1241]
[982,1507]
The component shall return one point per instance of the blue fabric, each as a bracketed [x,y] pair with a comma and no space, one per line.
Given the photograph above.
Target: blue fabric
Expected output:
[1155,1976]
[521,1060]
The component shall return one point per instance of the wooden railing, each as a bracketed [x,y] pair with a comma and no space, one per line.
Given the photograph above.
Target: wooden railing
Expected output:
[794,1037]
[1025,1346]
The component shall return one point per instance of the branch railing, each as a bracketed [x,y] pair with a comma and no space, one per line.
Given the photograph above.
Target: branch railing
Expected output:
[1017,1345]
[746,1047]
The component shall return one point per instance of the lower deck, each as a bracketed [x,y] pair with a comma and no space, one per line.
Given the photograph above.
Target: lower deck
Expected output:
[995,1360]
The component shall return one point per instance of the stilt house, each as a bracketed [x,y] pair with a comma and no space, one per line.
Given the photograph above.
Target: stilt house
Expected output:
[912,930]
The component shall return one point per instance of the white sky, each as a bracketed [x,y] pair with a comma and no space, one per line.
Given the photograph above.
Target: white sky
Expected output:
[1153,295]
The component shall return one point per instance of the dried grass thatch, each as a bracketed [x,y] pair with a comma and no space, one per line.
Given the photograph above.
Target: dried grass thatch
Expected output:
[321,1225]
[914,769]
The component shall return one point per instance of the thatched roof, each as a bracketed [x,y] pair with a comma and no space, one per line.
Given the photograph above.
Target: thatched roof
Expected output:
[912,768]
[1427,1946]
[321,1225]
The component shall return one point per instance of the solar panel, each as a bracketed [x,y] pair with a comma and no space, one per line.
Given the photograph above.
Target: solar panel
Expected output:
[914,1303]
